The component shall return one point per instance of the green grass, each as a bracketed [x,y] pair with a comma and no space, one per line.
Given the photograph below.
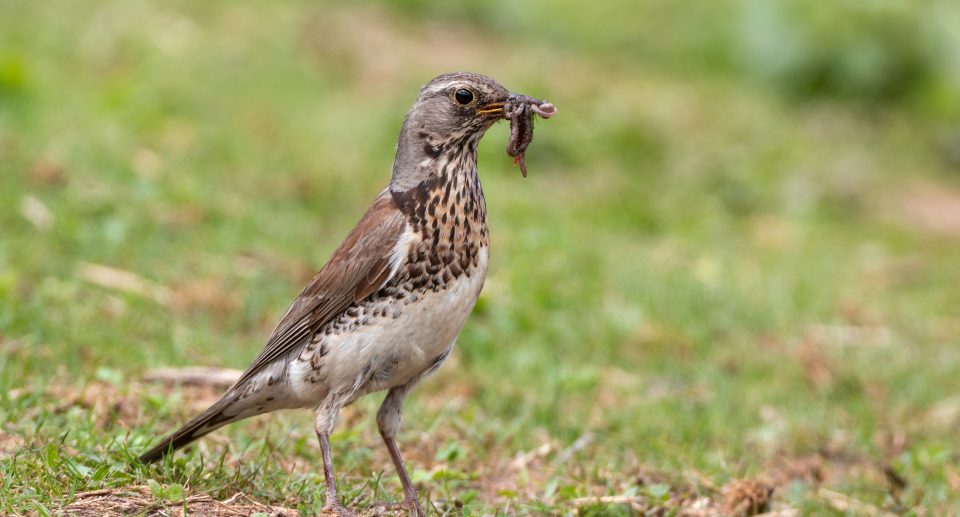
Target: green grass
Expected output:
[706,277]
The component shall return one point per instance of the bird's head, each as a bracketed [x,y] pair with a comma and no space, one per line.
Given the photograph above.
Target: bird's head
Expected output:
[450,115]
[457,106]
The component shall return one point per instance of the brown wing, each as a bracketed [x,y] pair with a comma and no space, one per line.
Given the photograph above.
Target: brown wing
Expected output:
[357,269]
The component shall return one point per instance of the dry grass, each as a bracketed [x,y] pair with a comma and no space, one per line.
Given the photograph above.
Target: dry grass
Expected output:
[138,500]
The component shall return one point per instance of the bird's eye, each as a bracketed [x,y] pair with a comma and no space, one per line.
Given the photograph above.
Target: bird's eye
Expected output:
[464,96]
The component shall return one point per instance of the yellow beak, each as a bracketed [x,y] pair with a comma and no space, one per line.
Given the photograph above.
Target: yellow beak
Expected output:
[494,109]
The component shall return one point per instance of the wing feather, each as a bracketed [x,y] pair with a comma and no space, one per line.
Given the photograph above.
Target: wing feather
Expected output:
[358,268]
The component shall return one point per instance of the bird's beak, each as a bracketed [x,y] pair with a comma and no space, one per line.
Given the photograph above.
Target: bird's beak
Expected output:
[496,109]
[493,109]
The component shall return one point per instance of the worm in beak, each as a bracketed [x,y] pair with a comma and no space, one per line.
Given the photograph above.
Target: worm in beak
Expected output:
[519,110]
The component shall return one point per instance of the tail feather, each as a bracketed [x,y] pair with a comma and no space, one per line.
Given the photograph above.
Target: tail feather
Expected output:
[210,420]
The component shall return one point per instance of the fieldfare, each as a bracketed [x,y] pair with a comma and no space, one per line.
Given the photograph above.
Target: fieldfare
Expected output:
[385,310]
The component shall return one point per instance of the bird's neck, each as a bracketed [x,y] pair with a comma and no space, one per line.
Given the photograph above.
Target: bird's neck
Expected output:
[422,156]
[440,191]
[451,177]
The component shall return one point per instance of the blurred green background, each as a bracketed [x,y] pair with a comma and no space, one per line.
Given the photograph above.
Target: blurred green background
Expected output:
[735,257]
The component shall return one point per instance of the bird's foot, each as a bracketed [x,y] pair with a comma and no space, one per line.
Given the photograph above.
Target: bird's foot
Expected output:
[409,504]
[339,510]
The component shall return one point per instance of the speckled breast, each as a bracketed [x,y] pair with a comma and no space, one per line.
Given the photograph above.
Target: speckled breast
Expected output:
[407,328]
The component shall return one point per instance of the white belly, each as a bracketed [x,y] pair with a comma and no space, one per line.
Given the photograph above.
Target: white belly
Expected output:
[390,351]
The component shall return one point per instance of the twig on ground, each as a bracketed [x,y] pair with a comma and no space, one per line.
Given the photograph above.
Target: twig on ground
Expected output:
[124,281]
[632,500]
[845,503]
[584,440]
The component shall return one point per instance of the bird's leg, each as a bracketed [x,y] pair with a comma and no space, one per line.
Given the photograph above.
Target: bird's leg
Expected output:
[409,493]
[324,425]
[389,418]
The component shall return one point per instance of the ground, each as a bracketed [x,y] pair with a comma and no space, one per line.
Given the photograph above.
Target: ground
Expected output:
[708,297]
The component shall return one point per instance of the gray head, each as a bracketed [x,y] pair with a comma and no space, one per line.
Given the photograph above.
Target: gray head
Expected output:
[450,115]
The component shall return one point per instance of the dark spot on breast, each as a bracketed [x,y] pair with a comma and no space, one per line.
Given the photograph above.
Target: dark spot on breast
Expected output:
[417,283]
[431,150]
[446,192]
[414,270]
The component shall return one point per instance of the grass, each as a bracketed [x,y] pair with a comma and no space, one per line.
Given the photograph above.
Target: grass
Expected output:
[704,282]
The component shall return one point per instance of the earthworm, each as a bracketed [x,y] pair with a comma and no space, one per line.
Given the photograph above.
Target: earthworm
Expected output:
[519,111]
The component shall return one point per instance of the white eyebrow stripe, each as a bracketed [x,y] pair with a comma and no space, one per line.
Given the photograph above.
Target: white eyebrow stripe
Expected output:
[439,87]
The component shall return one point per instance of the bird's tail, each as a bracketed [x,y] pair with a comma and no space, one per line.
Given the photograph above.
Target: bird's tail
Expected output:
[210,420]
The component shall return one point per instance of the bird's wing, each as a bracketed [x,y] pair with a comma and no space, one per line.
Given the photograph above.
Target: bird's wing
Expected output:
[363,263]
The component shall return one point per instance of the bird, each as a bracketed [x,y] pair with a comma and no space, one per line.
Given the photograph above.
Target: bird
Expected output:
[385,311]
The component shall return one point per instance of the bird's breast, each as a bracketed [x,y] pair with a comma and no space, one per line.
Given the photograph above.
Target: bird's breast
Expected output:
[401,332]
[408,326]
